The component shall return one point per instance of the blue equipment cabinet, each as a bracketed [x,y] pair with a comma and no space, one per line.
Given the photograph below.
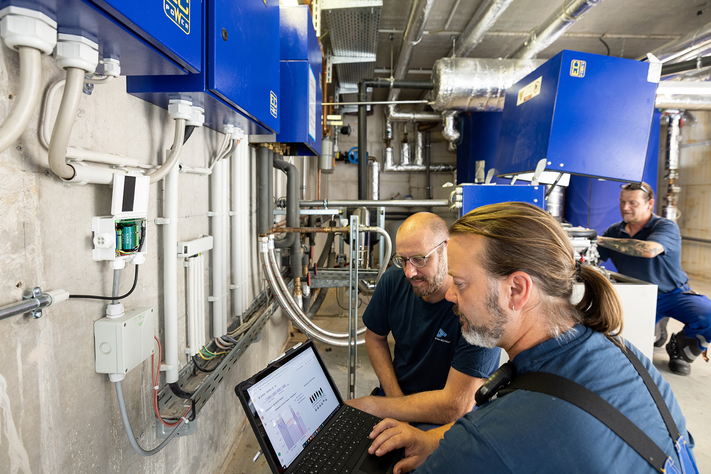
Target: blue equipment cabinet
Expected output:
[238,83]
[476,195]
[300,54]
[583,113]
[120,35]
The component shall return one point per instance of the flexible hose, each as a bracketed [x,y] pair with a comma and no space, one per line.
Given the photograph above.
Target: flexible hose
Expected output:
[296,313]
[64,123]
[388,248]
[129,430]
[26,99]
[174,154]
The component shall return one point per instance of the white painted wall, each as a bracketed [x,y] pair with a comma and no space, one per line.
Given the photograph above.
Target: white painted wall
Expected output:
[56,413]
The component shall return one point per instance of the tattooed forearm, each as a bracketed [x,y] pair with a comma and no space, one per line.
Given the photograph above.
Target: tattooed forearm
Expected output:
[635,248]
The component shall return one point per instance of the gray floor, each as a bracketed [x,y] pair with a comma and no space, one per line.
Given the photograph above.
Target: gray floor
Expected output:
[691,392]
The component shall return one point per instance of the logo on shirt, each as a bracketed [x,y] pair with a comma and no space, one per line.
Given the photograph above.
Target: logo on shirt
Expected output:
[440,335]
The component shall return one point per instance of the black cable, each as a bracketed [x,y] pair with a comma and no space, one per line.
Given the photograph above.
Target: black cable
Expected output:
[188,132]
[603,42]
[197,366]
[179,392]
[92,297]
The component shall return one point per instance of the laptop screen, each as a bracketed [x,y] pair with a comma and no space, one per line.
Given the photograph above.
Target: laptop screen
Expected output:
[293,403]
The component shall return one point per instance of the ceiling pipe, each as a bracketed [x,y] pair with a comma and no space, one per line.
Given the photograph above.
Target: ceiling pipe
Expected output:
[550,30]
[483,20]
[683,102]
[696,43]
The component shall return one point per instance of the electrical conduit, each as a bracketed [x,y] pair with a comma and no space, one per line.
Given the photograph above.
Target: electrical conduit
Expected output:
[26,99]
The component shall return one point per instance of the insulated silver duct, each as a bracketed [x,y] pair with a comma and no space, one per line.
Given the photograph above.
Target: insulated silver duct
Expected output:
[469,84]
[414,29]
[684,102]
[673,148]
[419,148]
[374,180]
[550,30]
[325,161]
[696,43]
[482,21]
[395,115]
[449,129]
[405,153]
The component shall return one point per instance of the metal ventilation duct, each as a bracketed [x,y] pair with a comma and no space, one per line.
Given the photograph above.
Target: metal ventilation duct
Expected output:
[696,43]
[470,84]
[482,21]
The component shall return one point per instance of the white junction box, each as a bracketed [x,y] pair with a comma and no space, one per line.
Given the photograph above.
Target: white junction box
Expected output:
[120,344]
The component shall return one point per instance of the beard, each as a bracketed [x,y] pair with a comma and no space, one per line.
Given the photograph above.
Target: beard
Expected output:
[434,283]
[485,336]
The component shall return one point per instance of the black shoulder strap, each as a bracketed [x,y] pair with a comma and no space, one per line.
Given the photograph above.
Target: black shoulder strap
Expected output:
[595,405]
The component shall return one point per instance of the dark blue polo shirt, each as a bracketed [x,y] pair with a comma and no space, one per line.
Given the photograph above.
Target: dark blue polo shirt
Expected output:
[664,270]
[428,337]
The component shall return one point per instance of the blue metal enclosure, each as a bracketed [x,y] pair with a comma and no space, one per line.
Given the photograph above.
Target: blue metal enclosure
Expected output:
[301,94]
[120,35]
[238,83]
[476,195]
[583,113]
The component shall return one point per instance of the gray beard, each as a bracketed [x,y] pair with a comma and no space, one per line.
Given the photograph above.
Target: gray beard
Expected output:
[435,283]
[485,336]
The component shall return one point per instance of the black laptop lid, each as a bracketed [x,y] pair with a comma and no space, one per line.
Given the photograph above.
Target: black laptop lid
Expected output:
[289,403]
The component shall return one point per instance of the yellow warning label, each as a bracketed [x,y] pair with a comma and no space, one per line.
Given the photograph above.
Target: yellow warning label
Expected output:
[577,68]
[179,12]
[530,91]
[273,103]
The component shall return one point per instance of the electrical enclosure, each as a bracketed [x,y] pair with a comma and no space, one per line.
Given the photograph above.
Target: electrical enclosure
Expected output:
[476,195]
[300,72]
[121,344]
[583,113]
[138,34]
[238,82]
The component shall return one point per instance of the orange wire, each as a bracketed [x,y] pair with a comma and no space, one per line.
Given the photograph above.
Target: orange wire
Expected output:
[154,379]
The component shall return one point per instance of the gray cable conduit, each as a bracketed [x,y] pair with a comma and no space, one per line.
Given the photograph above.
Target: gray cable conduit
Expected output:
[174,154]
[129,431]
[64,124]
[289,305]
[27,96]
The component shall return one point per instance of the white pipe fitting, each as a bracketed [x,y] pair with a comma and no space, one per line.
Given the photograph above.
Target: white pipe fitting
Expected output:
[76,52]
[25,27]
[180,109]
[197,117]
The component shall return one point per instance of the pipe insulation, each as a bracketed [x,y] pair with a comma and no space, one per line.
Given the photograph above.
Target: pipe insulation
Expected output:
[264,168]
[483,20]
[26,99]
[219,325]
[690,46]
[292,207]
[545,34]
[472,84]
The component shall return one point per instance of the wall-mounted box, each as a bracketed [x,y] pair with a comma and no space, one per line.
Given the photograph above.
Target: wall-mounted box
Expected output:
[477,195]
[583,113]
[238,83]
[120,33]
[120,344]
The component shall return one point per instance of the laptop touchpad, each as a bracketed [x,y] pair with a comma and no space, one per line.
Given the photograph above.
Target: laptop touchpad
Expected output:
[373,464]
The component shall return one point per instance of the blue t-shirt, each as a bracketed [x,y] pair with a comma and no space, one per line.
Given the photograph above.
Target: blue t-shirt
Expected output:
[664,270]
[532,432]
[428,337]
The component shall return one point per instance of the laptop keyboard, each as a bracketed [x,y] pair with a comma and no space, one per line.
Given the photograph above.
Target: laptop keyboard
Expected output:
[338,449]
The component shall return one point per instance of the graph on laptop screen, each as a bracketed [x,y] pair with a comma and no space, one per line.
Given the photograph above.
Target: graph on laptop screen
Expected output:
[293,404]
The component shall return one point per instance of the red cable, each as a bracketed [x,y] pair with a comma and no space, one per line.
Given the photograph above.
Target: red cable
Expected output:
[154,379]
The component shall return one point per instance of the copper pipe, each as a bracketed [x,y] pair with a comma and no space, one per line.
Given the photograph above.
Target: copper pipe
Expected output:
[310,230]
[319,185]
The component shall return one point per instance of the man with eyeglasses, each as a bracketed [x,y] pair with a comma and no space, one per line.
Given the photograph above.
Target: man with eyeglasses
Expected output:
[648,247]
[434,374]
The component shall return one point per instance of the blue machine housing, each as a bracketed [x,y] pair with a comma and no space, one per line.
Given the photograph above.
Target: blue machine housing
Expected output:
[476,195]
[583,113]
[119,35]
[238,83]
[300,71]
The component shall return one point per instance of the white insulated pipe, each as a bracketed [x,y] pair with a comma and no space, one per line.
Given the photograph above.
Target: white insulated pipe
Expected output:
[26,99]
[226,267]
[218,258]
[170,275]
[173,155]
[64,123]
[191,291]
[237,238]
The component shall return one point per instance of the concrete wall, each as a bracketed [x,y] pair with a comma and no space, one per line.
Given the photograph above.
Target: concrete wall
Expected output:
[56,413]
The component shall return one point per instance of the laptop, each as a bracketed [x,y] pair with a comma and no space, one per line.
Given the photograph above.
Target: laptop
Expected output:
[301,422]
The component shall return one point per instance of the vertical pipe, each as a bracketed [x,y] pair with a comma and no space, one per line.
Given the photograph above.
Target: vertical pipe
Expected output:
[225,267]
[189,264]
[237,256]
[217,255]
[670,210]
[428,177]
[246,218]
[201,302]
[265,170]
[170,275]
[362,140]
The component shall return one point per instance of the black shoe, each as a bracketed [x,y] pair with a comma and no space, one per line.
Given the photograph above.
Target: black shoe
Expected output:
[677,363]
[660,331]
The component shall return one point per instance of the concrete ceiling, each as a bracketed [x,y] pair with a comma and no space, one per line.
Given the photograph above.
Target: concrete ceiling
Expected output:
[630,28]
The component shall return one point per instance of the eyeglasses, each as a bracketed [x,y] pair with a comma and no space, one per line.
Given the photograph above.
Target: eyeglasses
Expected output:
[635,187]
[417,261]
